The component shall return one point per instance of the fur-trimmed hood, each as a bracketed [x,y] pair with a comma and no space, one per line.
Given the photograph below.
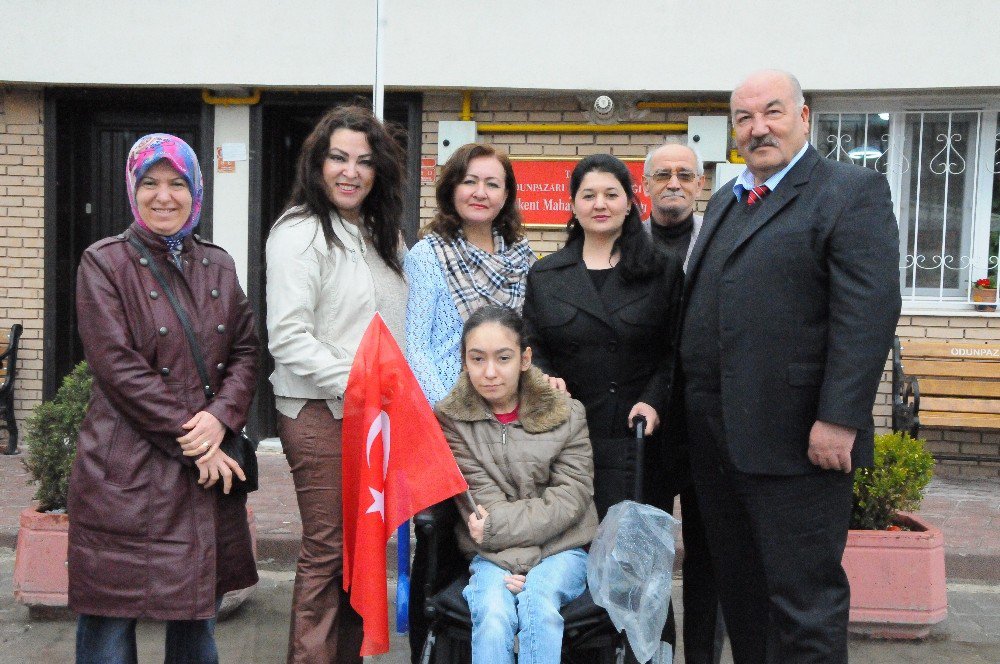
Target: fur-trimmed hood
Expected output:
[541,407]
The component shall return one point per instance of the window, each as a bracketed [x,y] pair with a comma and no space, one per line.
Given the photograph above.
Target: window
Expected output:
[943,167]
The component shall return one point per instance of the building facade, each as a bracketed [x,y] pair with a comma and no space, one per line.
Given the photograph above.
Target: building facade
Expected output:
[243,82]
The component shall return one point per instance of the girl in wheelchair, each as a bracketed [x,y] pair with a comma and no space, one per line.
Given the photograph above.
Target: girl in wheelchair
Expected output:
[525,451]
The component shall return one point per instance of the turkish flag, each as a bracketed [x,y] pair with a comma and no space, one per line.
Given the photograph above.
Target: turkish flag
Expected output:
[396,462]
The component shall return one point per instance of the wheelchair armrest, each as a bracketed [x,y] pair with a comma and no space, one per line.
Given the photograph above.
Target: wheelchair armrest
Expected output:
[437,547]
[436,517]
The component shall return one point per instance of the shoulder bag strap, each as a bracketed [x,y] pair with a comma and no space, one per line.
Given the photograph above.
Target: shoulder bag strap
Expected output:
[199,360]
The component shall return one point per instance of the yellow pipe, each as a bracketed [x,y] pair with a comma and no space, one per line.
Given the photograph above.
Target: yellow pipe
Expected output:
[700,105]
[467,105]
[209,98]
[580,128]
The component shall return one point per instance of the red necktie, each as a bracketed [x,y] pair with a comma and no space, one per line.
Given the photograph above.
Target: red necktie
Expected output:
[756,194]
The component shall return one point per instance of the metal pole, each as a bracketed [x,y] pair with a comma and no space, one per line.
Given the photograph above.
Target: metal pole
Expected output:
[378,89]
[403,532]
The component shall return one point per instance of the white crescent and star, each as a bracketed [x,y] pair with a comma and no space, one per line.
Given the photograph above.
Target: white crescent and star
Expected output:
[379,425]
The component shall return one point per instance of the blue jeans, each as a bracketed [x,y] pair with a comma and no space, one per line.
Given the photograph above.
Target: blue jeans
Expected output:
[533,614]
[102,640]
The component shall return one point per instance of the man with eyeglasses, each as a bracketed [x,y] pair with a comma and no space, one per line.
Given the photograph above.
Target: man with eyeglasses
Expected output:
[673,176]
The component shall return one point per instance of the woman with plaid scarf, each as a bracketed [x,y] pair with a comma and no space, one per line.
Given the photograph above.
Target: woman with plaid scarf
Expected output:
[474,253]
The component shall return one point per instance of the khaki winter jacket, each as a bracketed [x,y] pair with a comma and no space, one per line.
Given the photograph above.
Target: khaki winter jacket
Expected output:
[534,476]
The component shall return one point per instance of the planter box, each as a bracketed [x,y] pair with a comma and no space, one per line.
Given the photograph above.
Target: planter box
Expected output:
[897,580]
[41,578]
[40,575]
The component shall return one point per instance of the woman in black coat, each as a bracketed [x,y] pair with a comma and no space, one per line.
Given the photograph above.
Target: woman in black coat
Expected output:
[601,317]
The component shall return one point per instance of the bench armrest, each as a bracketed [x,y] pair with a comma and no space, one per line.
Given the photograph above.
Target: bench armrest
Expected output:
[905,395]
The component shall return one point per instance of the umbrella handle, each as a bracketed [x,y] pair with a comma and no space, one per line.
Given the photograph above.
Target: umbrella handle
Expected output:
[640,453]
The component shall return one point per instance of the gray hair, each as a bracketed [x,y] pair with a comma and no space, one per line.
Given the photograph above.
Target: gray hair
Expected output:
[699,165]
[793,82]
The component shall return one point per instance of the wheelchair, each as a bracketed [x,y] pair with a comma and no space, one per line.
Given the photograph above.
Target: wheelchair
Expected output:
[440,573]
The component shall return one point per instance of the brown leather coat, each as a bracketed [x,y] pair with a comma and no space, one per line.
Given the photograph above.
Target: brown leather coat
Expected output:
[145,540]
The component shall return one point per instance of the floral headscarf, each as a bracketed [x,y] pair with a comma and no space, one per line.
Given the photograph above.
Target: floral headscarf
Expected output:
[152,148]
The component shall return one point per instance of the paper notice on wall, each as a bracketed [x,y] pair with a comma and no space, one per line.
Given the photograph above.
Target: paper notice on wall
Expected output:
[221,165]
[234,151]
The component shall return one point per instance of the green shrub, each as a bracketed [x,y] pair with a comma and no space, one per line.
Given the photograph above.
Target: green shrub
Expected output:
[895,483]
[50,439]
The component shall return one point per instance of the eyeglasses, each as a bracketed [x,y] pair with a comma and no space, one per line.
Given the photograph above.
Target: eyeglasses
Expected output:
[667,175]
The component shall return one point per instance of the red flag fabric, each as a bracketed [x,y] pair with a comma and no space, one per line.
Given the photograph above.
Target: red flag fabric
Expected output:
[396,462]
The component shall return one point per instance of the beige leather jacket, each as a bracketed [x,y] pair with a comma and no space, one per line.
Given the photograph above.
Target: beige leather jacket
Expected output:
[320,300]
[534,476]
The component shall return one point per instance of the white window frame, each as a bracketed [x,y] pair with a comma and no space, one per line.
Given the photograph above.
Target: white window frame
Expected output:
[897,106]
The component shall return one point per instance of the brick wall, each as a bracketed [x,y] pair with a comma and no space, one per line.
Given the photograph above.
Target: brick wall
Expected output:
[21,237]
[564,108]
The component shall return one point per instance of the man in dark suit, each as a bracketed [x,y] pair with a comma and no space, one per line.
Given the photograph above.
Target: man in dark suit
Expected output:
[792,299]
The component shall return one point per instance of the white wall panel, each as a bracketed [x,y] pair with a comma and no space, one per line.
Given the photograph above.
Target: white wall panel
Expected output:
[683,45]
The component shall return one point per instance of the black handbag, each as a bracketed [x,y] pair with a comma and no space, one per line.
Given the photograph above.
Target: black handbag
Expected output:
[239,446]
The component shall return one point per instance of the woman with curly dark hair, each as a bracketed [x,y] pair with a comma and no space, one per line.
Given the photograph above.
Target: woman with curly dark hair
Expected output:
[334,259]
[474,254]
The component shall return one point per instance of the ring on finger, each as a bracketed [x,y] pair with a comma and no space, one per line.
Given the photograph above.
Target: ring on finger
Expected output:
[205,443]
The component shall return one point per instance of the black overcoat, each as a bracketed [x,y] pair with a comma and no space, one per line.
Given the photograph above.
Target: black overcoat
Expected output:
[614,348]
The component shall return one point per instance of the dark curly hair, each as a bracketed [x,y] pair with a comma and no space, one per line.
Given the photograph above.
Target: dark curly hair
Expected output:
[382,209]
[446,222]
[640,258]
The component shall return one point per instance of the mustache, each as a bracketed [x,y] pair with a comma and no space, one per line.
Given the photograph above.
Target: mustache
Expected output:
[762,141]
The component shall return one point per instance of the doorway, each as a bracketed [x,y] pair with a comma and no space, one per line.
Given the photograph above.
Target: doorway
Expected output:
[88,134]
[278,127]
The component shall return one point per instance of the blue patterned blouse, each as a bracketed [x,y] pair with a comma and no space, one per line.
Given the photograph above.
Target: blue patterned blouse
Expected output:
[433,325]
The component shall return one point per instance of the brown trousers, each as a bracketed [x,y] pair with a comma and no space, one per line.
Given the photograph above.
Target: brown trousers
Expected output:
[324,628]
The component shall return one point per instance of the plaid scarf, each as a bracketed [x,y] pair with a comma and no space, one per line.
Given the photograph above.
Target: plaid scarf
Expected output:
[474,275]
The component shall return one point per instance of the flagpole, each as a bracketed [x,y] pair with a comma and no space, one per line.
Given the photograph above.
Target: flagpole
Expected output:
[403,532]
[378,88]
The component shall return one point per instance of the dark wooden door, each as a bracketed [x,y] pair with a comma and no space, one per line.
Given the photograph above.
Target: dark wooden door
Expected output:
[92,140]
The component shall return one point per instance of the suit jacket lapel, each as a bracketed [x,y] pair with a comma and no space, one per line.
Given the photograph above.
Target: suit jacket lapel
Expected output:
[786,192]
[709,225]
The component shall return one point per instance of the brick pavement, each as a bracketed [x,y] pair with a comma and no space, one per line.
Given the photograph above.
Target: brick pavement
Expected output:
[967,511]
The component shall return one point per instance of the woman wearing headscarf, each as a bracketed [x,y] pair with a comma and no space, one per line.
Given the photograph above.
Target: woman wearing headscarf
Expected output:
[334,260]
[475,253]
[156,531]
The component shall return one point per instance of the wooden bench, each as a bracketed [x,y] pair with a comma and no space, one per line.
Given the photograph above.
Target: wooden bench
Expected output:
[945,385]
[9,342]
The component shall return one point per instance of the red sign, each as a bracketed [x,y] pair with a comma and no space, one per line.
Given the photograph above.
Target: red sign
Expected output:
[543,189]
[427,170]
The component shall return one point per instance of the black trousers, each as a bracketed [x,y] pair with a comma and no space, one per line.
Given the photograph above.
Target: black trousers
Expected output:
[777,544]
[703,632]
